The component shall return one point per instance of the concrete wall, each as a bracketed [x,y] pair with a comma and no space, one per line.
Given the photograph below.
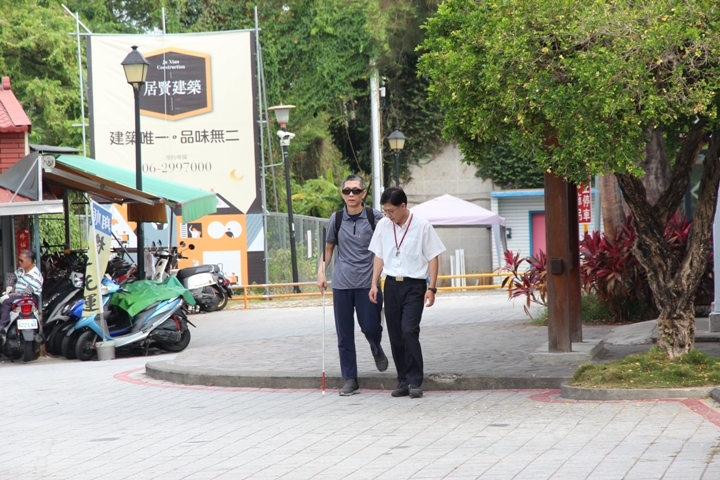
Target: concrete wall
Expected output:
[446,173]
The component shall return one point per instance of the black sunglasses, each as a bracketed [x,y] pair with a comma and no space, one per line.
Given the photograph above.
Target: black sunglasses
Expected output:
[354,191]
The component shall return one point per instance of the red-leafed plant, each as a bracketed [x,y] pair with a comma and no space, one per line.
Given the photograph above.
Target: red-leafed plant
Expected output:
[529,282]
[608,269]
[677,233]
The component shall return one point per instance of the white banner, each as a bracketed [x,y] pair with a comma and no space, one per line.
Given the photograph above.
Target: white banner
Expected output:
[99,245]
[197,109]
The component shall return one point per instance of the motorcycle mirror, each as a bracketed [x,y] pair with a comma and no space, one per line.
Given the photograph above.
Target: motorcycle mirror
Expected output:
[182,244]
[160,243]
[191,246]
[153,244]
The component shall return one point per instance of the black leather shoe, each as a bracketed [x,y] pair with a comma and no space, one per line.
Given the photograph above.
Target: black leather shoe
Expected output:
[401,390]
[381,361]
[415,391]
[351,387]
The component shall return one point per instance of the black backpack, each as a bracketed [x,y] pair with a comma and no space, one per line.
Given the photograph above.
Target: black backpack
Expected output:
[339,216]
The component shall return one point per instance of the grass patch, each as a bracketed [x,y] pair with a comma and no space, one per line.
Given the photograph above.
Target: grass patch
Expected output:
[651,369]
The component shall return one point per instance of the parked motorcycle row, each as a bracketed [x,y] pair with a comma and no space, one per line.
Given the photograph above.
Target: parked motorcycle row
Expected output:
[207,283]
[138,314]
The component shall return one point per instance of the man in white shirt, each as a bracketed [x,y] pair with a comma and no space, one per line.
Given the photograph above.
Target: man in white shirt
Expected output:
[406,249]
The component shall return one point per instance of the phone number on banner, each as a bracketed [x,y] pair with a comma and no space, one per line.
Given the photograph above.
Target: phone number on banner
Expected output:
[172,167]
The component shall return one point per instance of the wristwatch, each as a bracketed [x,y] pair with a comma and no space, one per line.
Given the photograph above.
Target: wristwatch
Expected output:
[432,289]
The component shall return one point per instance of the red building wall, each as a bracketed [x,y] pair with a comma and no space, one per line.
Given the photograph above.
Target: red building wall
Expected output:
[12,149]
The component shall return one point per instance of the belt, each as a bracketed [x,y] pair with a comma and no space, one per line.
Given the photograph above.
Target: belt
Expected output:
[406,279]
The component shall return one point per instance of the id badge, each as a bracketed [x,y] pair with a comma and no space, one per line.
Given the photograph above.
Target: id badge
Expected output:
[396,264]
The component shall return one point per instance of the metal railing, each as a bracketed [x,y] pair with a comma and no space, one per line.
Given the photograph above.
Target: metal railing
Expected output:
[247,295]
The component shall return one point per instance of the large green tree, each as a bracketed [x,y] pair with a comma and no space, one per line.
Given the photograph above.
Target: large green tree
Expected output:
[316,55]
[623,87]
[40,57]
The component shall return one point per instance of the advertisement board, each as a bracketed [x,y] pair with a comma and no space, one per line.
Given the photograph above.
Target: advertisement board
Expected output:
[198,119]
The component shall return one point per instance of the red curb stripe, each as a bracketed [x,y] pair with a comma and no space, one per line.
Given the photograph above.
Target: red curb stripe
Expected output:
[701,408]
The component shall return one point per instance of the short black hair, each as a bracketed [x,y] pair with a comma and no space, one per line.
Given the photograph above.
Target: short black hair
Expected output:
[394,196]
[354,178]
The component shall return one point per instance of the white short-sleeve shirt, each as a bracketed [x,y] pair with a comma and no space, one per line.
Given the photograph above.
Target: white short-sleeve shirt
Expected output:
[420,245]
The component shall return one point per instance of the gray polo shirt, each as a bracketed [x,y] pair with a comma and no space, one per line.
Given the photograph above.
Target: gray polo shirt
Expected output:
[354,262]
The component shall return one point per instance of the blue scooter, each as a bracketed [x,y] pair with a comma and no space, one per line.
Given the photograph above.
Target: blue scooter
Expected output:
[139,314]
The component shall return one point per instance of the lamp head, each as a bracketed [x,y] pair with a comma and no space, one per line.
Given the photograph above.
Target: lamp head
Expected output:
[136,67]
[282,114]
[47,162]
[396,140]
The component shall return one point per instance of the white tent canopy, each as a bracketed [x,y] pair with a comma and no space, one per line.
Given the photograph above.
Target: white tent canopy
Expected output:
[449,211]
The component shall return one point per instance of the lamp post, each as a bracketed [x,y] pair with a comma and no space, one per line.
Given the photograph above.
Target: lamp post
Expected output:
[397,141]
[282,115]
[136,68]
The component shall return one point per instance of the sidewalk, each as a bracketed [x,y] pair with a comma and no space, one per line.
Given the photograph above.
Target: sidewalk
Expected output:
[473,341]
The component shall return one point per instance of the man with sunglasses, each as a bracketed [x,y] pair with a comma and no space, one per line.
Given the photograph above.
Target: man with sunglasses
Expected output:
[351,281]
[27,281]
[406,248]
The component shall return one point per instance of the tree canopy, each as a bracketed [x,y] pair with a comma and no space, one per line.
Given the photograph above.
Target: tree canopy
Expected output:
[573,87]
[619,87]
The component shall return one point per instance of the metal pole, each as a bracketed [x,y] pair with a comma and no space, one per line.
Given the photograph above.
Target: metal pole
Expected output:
[397,168]
[138,185]
[377,186]
[291,225]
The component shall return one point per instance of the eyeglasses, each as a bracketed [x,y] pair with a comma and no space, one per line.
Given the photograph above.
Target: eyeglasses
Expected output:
[354,191]
[390,213]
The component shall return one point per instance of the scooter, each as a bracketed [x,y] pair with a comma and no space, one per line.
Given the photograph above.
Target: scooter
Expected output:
[160,321]
[57,309]
[207,283]
[22,337]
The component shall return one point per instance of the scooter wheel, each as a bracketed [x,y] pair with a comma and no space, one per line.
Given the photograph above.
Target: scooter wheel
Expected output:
[179,346]
[85,345]
[223,299]
[68,345]
[28,353]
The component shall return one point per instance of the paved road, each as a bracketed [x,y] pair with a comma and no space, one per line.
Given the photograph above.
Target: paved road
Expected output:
[108,420]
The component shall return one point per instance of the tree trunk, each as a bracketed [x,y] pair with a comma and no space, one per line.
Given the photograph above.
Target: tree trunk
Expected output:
[611,204]
[656,166]
[674,282]
[676,330]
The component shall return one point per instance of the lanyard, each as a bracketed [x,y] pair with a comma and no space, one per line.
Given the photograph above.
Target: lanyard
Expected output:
[397,246]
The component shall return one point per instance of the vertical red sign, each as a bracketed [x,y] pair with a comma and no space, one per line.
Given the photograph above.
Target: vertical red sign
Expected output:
[22,241]
[584,204]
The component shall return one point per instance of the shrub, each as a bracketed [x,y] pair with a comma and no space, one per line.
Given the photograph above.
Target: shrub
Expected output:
[608,270]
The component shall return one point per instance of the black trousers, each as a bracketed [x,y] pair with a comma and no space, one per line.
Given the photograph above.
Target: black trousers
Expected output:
[404,304]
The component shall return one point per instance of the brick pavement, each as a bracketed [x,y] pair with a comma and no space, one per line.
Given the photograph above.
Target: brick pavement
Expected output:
[109,420]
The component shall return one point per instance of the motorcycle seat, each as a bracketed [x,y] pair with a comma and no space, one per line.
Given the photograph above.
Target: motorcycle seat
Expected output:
[190,271]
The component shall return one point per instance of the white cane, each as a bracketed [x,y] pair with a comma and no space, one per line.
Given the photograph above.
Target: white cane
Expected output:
[322,246]
[323,338]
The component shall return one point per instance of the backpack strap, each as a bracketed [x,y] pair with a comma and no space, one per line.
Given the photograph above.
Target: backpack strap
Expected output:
[338,222]
[339,217]
[371,217]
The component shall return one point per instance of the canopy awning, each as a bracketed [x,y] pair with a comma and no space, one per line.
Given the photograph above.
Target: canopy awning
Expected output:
[13,204]
[113,182]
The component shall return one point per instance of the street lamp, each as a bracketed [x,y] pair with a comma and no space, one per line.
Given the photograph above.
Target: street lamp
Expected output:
[136,68]
[282,115]
[397,141]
